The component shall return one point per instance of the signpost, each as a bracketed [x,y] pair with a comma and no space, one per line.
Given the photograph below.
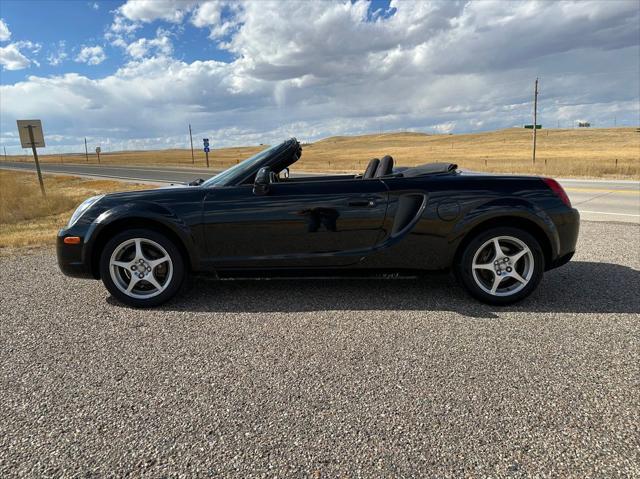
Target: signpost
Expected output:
[206,149]
[98,150]
[31,135]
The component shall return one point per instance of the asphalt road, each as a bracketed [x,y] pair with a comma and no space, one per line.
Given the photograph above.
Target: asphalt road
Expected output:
[345,378]
[599,200]
[141,173]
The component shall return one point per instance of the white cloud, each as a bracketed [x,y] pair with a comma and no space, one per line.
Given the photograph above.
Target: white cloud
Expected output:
[336,68]
[210,14]
[150,10]
[91,55]
[161,45]
[12,59]
[121,31]
[109,102]
[5,34]
[33,46]
[56,57]
[204,13]
[95,6]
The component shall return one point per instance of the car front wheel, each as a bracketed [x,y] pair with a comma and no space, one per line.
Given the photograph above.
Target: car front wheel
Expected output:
[142,268]
[501,265]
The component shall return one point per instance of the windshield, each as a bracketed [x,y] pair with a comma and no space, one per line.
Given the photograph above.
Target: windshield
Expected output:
[223,178]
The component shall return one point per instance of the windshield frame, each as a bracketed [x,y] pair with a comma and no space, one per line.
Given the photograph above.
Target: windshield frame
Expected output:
[242,170]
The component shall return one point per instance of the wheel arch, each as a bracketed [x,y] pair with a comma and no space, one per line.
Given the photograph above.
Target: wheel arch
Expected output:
[121,224]
[520,222]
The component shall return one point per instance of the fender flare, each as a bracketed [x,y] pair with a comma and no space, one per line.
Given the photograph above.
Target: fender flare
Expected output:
[145,211]
[505,208]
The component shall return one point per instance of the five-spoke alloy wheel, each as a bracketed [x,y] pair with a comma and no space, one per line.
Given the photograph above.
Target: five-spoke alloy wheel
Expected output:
[141,267]
[501,265]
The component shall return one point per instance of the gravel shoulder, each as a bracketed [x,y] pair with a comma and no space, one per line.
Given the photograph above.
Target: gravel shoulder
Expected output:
[327,378]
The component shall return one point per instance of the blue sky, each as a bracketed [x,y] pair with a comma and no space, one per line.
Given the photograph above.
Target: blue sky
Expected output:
[80,23]
[134,74]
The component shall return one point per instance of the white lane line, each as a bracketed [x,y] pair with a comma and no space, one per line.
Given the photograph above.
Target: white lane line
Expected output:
[605,213]
[612,182]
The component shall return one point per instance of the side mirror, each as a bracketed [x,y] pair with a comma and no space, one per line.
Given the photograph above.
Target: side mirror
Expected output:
[285,173]
[262,181]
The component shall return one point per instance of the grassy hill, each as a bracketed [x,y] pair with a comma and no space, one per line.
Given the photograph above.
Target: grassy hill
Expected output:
[593,152]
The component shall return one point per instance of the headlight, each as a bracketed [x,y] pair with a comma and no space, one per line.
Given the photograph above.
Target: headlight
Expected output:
[86,204]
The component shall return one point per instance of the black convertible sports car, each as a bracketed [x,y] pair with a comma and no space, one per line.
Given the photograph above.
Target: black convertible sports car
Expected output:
[497,233]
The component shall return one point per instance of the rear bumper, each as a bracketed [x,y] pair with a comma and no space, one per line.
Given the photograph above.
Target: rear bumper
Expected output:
[568,227]
[71,257]
[561,261]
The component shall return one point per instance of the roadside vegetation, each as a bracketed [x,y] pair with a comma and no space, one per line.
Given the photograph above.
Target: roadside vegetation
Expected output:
[584,152]
[27,219]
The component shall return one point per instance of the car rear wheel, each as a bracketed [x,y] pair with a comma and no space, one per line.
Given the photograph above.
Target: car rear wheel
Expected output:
[142,268]
[501,265]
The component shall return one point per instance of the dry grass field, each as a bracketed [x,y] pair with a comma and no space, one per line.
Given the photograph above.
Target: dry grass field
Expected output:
[26,219]
[594,152]
[581,153]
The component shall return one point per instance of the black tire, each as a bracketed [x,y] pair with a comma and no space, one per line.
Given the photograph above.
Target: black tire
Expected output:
[478,245]
[173,281]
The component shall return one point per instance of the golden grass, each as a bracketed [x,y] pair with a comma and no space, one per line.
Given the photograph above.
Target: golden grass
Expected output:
[578,153]
[593,152]
[226,156]
[27,219]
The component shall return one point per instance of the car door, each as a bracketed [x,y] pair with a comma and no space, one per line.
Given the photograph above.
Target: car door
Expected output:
[296,224]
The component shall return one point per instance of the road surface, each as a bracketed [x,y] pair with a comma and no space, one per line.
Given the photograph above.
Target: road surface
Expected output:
[325,378]
[598,200]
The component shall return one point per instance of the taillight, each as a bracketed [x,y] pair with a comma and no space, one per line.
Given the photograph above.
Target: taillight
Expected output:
[558,190]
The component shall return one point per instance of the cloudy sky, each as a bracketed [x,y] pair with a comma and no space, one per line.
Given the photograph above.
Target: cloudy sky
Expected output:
[134,74]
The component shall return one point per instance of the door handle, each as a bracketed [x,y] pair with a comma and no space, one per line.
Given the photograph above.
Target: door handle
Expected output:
[362,203]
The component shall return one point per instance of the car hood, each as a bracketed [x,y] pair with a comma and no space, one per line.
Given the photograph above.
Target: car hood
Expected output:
[151,194]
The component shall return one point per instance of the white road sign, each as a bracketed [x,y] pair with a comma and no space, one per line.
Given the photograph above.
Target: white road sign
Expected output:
[38,135]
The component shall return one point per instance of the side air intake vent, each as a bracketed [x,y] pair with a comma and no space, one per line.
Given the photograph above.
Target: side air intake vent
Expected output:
[409,206]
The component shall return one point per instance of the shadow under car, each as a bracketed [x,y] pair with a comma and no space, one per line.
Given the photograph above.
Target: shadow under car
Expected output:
[578,287]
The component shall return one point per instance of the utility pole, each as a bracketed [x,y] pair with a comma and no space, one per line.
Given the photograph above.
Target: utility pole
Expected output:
[193,159]
[535,118]
[86,150]
[5,153]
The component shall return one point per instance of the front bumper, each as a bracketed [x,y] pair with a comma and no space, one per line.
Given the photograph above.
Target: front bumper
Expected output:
[72,259]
